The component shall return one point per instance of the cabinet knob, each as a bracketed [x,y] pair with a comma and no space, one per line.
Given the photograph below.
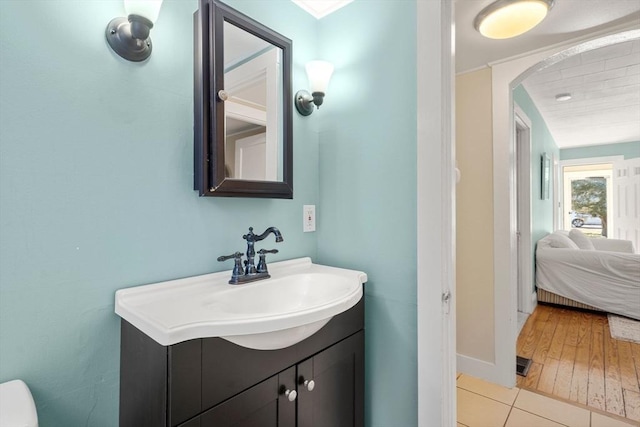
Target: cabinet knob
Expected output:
[310,384]
[291,395]
[223,95]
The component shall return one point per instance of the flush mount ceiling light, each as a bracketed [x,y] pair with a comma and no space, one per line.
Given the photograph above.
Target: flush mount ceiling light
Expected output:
[563,97]
[504,19]
[129,37]
[319,73]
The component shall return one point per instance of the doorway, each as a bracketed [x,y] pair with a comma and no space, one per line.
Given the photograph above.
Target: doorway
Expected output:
[506,76]
[587,198]
[522,127]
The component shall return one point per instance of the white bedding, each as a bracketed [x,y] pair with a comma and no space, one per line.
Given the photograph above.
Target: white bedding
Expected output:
[607,280]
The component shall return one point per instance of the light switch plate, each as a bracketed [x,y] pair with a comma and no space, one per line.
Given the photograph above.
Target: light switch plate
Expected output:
[308,218]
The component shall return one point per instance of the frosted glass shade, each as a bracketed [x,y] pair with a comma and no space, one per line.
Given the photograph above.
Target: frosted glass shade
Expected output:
[149,9]
[510,18]
[319,73]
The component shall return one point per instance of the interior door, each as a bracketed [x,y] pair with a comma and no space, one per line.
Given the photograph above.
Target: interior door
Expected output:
[626,195]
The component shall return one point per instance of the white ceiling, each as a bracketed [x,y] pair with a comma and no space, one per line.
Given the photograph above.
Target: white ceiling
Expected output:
[605,88]
[321,8]
[604,83]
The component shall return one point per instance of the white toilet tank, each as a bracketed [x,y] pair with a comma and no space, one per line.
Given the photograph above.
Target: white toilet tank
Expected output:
[17,408]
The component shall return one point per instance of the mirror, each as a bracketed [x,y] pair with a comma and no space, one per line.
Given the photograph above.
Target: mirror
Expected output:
[242,84]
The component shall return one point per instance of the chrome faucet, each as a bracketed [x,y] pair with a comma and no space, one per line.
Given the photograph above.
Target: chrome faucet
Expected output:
[251,272]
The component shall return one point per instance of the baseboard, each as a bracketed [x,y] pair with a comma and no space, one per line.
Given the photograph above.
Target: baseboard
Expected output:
[477,368]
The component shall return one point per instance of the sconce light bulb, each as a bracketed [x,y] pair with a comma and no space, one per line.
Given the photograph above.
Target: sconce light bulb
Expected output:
[319,74]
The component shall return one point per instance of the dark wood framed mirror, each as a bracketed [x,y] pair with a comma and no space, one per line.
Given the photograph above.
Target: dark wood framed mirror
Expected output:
[243,106]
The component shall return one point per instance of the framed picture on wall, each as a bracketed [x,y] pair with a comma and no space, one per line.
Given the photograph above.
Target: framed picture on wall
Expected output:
[545,175]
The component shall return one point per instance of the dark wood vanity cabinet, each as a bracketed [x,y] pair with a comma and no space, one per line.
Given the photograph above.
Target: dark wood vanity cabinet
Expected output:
[211,382]
[337,396]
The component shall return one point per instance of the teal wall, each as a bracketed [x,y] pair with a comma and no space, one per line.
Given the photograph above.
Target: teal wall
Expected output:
[367,211]
[541,142]
[96,189]
[630,150]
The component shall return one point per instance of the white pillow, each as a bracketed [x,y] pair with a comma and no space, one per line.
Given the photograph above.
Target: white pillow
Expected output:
[581,240]
[560,241]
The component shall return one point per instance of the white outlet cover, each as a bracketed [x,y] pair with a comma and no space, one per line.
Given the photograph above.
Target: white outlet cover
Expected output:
[308,218]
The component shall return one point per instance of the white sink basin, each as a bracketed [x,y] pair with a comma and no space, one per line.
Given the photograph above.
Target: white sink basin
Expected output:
[298,300]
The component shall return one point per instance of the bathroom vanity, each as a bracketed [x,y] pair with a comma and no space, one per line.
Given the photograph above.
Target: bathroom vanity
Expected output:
[168,377]
[213,382]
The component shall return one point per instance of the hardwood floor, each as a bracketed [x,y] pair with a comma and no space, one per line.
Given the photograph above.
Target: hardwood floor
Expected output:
[575,358]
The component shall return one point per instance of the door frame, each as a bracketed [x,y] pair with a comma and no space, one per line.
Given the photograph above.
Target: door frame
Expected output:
[435,234]
[522,176]
[591,161]
[557,201]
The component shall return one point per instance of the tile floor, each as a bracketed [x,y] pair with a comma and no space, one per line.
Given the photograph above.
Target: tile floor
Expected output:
[482,404]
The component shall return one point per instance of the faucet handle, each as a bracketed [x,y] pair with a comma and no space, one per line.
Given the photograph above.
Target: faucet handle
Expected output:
[267,251]
[262,263]
[237,266]
[235,255]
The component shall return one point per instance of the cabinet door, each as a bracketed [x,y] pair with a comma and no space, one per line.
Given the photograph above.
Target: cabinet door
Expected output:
[263,405]
[336,398]
[184,381]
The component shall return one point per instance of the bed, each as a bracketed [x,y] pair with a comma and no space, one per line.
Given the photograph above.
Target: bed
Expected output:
[597,274]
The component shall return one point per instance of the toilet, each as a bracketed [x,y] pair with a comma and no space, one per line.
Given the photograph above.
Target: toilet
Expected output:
[17,408]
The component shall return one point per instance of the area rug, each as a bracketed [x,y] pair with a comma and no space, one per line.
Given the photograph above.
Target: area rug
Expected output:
[624,329]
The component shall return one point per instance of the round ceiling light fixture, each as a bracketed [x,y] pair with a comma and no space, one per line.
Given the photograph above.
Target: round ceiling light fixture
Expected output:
[504,19]
[563,97]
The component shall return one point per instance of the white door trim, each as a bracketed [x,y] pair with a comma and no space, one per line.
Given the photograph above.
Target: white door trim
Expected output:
[557,194]
[590,161]
[612,160]
[523,180]
[435,221]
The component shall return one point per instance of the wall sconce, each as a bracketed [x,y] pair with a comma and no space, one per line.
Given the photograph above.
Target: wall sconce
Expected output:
[129,37]
[319,73]
[504,19]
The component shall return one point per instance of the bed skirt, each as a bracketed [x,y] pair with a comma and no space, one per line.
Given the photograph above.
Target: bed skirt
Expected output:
[551,298]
